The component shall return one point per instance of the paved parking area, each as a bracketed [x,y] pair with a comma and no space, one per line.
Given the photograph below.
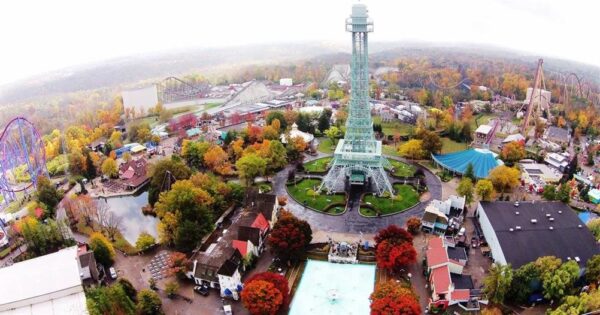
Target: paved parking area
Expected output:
[159,265]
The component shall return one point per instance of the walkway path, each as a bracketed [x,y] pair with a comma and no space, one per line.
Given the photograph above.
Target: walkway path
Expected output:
[351,221]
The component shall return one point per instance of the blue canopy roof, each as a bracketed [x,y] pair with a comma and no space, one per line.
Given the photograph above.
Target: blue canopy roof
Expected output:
[483,161]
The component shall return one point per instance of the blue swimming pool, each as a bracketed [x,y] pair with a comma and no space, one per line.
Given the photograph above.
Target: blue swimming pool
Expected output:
[332,289]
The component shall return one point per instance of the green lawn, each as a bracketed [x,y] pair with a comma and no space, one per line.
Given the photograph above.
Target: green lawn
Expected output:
[318,165]
[390,128]
[482,119]
[408,198]
[300,193]
[390,150]
[326,146]
[402,169]
[449,146]
[367,212]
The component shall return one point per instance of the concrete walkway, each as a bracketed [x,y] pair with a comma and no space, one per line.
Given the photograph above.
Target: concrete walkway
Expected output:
[352,221]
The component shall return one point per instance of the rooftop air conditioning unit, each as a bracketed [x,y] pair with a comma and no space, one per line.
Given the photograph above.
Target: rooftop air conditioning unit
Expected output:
[580,226]
[548,215]
[551,219]
[518,227]
[551,228]
[511,229]
[559,211]
[577,259]
[517,212]
[516,203]
[534,221]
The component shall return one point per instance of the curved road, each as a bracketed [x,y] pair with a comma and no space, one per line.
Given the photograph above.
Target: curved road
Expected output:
[351,221]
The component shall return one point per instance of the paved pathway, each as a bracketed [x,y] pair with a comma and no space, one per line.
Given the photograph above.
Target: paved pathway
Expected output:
[351,221]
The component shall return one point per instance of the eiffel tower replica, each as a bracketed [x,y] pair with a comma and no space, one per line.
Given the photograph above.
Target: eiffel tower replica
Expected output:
[357,159]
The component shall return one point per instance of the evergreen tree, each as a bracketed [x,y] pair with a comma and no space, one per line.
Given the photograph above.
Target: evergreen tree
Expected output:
[470,172]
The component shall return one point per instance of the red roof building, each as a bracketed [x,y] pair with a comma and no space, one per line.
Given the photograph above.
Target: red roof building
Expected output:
[133,174]
[445,266]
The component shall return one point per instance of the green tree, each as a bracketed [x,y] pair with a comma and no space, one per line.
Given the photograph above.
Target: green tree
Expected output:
[109,168]
[431,142]
[484,189]
[250,166]
[47,193]
[465,188]
[549,192]
[276,114]
[592,269]
[276,157]
[324,119]
[128,288]
[90,168]
[333,133]
[497,282]
[102,248]
[594,226]
[470,172]
[564,193]
[109,300]
[560,283]
[171,288]
[159,176]
[42,238]
[547,265]
[144,241]
[522,283]
[149,303]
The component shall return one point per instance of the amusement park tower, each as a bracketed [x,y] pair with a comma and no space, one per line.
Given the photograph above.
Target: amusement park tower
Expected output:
[357,158]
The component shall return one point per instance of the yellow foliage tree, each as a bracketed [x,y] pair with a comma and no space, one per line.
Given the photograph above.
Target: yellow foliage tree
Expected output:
[413,149]
[504,178]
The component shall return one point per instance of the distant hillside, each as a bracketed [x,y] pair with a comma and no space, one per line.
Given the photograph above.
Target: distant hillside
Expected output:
[117,73]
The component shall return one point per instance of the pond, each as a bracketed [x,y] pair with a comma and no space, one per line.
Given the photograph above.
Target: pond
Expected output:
[129,208]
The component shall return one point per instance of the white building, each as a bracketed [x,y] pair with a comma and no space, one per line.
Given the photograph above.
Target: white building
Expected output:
[286,82]
[294,133]
[537,174]
[557,161]
[48,285]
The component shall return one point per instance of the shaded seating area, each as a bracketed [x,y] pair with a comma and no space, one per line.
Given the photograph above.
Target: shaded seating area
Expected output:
[483,161]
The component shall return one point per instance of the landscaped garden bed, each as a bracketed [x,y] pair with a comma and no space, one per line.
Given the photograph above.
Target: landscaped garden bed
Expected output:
[318,165]
[305,193]
[406,197]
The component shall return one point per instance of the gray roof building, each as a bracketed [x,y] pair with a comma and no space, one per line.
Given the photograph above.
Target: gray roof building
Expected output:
[519,234]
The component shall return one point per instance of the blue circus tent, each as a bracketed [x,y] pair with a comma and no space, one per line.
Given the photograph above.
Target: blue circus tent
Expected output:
[483,161]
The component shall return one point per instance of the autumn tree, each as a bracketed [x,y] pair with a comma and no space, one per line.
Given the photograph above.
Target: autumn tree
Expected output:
[42,238]
[412,149]
[413,225]
[394,248]
[431,142]
[333,133]
[193,153]
[144,241]
[592,269]
[295,147]
[280,282]
[280,117]
[109,168]
[559,283]
[218,160]
[484,189]
[102,248]
[513,152]
[185,215]
[465,189]
[504,178]
[261,297]
[250,166]
[290,236]
[390,297]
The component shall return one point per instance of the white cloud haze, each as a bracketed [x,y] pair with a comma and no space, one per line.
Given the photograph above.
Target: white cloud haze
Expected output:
[39,36]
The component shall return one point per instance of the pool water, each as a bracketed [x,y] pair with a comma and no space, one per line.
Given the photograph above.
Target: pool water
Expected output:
[586,216]
[334,289]
[133,222]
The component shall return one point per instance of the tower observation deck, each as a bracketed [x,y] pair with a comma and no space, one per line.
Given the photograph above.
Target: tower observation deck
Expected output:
[357,158]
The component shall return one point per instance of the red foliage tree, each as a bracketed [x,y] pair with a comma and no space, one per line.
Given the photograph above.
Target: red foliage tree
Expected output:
[290,236]
[261,297]
[279,281]
[177,264]
[392,298]
[392,256]
[404,305]
[393,234]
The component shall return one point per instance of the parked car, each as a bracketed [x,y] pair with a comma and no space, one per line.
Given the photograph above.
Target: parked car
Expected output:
[201,289]
[113,272]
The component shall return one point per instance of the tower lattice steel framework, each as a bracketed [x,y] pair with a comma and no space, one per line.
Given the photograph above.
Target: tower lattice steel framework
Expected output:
[357,158]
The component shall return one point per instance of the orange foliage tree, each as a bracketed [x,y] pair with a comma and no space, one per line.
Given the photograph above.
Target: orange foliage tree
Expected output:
[392,298]
[261,297]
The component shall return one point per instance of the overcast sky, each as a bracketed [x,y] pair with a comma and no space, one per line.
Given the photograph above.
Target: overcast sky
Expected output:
[39,36]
